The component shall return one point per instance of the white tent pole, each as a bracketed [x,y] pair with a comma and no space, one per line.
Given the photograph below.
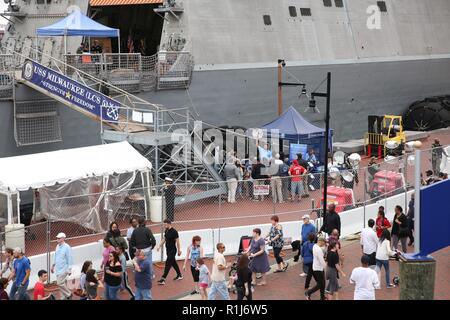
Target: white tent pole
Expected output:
[10,216]
[18,206]
[119,41]
[149,192]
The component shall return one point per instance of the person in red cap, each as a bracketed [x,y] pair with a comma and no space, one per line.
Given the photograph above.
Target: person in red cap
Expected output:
[296,172]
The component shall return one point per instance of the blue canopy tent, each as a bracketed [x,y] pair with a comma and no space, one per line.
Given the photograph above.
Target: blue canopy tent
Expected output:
[301,134]
[77,24]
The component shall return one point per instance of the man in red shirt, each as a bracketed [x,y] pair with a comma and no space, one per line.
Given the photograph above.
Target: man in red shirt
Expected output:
[39,290]
[296,171]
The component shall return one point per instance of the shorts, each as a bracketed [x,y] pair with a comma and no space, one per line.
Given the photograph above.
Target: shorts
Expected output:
[203,285]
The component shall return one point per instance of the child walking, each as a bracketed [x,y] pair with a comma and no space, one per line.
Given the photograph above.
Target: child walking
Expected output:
[203,277]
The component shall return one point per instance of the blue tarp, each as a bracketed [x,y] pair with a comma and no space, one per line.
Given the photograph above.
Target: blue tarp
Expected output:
[292,126]
[77,24]
[297,130]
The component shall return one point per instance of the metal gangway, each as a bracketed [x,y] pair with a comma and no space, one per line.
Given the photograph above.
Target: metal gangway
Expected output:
[152,129]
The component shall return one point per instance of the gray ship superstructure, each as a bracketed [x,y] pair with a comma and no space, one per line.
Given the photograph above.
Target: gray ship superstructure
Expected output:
[222,60]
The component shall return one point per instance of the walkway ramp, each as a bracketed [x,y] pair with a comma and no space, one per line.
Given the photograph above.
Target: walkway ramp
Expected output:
[76,95]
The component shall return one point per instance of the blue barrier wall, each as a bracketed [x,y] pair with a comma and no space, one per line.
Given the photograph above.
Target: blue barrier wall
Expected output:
[435,217]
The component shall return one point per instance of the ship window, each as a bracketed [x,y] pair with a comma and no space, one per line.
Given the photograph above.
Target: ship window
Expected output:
[292,11]
[327,3]
[382,6]
[305,12]
[267,20]
[339,3]
[40,1]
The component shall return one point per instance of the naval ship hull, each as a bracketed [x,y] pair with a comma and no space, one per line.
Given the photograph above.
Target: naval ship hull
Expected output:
[247,96]
[234,81]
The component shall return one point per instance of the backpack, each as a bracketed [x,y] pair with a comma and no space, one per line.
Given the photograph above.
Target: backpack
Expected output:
[283,169]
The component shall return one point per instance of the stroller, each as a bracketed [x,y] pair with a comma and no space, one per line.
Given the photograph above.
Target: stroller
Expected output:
[244,243]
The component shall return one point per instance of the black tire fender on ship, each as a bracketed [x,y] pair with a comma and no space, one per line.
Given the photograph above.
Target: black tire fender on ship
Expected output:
[425,116]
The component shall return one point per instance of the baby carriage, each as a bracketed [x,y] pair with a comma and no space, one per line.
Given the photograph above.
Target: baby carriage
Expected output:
[244,243]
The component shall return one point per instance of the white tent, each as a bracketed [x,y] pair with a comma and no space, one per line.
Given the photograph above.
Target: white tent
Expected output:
[46,169]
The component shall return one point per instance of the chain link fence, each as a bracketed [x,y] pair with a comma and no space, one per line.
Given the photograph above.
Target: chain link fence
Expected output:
[222,205]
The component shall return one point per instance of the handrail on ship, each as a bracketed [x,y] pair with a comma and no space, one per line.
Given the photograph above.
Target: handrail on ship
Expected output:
[62,66]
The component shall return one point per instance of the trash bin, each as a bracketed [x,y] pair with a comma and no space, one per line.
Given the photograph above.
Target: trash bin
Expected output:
[15,236]
[156,209]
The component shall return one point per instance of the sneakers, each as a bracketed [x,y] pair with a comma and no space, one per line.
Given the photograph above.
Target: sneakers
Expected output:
[307,296]
[390,286]
[303,275]
[194,292]
[278,270]
[286,265]
[162,281]
[178,277]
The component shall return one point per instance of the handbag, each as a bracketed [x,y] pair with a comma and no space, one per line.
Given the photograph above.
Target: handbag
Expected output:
[127,256]
[79,292]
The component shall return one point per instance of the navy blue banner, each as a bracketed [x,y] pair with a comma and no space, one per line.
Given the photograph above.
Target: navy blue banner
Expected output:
[73,92]
[434,217]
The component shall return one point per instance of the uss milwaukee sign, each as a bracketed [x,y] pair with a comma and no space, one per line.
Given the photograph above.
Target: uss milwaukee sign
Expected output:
[73,92]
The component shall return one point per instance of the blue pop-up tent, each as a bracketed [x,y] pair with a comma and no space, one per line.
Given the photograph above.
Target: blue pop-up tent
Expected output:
[77,24]
[291,126]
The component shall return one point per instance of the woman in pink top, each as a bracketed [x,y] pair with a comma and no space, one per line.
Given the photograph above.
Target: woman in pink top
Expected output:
[108,249]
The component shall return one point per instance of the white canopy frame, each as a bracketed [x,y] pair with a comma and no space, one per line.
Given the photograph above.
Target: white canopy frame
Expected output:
[114,151]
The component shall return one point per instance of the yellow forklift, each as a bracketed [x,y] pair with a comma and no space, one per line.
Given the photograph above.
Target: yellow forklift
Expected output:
[385,136]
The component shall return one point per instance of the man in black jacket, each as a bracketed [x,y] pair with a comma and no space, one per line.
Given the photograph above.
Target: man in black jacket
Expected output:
[142,238]
[331,221]
[259,179]
[169,195]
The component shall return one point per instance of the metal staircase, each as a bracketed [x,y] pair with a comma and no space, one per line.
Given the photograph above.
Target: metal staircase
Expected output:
[153,130]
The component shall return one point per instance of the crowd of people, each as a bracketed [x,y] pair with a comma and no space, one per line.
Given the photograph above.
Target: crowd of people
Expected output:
[286,179]
[320,251]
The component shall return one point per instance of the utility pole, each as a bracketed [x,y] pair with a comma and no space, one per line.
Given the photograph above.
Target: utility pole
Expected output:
[281,84]
[280,88]
[326,95]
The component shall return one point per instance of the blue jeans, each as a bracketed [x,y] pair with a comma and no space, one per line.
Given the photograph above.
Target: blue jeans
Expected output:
[143,294]
[111,292]
[148,255]
[385,264]
[296,187]
[21,292]
[218,287]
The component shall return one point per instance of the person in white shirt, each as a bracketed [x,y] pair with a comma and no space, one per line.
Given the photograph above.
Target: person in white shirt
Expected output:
[318,268]
[365,281]
[369,242]
[134,223]
[275,180]
[218,282]
[382,256]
